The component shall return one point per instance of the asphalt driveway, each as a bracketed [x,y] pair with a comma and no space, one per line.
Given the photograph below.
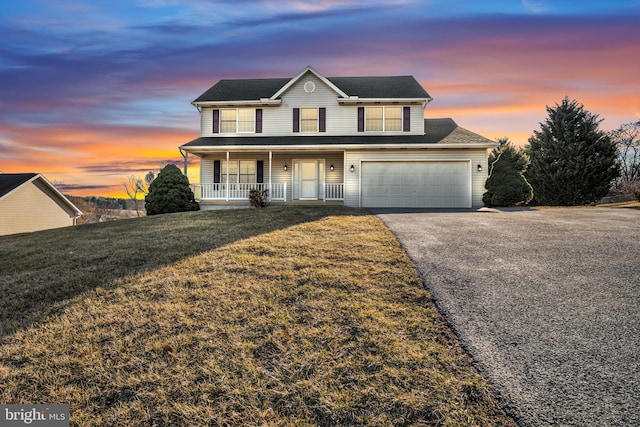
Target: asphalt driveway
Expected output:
[546,301]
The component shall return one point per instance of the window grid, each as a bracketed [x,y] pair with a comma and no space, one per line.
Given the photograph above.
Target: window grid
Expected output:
[246,120]
[240,171]
[373,118]
[237,120]
[385,119]
[308,120]
[228,120]
[393,118]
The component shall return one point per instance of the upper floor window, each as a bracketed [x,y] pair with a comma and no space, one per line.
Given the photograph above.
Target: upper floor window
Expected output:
[308,120]
[383,118]
[237,120]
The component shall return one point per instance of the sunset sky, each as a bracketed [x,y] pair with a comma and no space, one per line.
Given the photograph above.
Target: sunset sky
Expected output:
[94,91]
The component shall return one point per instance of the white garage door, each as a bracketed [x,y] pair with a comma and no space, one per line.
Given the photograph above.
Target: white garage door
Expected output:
[432,184]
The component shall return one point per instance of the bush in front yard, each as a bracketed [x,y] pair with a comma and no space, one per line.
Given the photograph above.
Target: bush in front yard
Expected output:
[169,193]
[259,198]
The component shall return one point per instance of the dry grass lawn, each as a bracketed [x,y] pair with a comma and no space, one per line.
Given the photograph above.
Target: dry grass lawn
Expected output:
[280,317]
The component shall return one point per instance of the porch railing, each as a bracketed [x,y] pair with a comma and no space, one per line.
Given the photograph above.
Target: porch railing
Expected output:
[333,192]
[237,191]
[240,191]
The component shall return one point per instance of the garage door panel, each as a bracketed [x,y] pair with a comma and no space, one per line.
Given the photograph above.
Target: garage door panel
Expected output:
[431,184]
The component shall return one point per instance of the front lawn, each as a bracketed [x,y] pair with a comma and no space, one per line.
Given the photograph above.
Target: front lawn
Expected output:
[279,316]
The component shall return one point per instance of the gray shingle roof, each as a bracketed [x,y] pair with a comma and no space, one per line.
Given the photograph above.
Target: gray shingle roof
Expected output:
[363,87]
[242,90]
[437,131]
[380,87]
[11,181]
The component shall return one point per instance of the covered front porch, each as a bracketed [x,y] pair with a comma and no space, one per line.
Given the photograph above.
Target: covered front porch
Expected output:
[287,176]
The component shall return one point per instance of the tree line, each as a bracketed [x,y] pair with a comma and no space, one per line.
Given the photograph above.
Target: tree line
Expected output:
[569,161]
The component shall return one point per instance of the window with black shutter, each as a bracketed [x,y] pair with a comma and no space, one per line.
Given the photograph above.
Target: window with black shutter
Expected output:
[259,120]
[216,171]
[322,119]
[216,121]
[406,119]
[260,171]
[360,119]
[296,120]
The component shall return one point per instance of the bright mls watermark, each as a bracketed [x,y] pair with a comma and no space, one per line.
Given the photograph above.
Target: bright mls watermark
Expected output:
[34,415]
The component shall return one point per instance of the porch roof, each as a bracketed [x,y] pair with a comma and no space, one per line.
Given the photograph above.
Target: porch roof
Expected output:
[438,132]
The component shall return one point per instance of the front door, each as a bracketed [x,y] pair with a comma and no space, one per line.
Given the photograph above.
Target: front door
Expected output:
[308,180]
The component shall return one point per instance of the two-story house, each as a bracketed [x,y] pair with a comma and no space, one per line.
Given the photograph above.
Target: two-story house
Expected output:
[362,141]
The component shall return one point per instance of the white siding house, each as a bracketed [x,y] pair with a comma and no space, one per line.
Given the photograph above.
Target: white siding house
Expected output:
[361,141]
[28,202]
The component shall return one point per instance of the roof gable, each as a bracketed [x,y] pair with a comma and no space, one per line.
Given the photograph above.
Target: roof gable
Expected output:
[308,69]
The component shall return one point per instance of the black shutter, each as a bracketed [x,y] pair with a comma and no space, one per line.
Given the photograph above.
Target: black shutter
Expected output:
[296,120]
[258,120]
[406,119]
[216,171]
[260,171]
[322,119]
[360,119]
[216,121]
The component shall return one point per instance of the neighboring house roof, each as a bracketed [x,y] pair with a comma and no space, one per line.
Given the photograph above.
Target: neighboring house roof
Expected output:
[9,182]
[440,132]
[405,87]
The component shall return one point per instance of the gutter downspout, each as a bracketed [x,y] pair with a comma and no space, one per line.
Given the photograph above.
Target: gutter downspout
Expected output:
[185,156]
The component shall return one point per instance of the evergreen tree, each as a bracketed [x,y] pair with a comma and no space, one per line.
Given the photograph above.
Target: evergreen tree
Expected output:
[170,192]
[573,162]
[506,185]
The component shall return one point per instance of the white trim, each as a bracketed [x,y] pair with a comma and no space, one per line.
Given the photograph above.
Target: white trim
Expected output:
[310,69]
[324,147]
[392,101]
[400,160]
[230,104]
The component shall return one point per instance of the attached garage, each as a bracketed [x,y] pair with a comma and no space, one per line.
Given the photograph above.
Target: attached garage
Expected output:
[416,184]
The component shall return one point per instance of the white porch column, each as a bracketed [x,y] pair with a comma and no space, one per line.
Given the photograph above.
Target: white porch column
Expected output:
[270,159]
[227,186]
